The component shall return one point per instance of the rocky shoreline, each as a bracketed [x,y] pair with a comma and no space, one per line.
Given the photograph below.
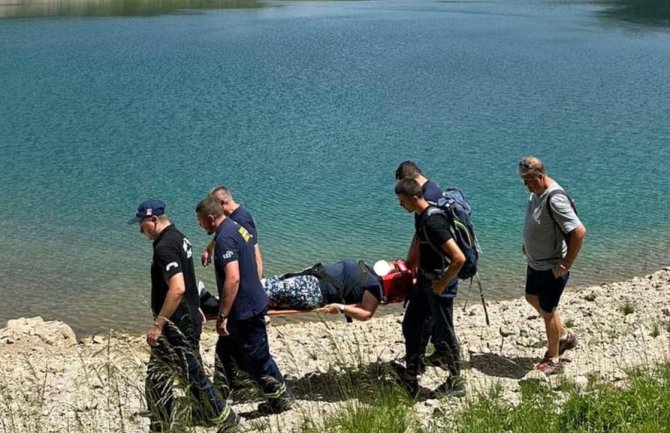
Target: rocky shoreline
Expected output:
[51,382]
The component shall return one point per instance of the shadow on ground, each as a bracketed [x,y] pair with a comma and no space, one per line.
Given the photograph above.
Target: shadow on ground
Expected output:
[339,385]
[492,364]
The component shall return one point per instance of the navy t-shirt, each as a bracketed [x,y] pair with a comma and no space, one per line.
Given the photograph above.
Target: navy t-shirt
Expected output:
[244,218]
[235,243]
[431,192]
[173,255]
[346,273]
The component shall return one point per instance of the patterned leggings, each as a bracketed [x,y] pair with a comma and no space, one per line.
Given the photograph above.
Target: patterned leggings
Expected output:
[302,292]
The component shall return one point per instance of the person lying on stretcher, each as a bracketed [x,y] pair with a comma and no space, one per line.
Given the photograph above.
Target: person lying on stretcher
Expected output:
[350,287]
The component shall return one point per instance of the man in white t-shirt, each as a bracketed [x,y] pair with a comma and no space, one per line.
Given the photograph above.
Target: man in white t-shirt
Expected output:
[552,237]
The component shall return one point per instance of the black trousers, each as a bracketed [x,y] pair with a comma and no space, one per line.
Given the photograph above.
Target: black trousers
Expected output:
[248,346]
[177,356]
[423,306]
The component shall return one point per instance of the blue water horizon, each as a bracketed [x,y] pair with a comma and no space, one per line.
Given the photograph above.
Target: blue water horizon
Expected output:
[305,109]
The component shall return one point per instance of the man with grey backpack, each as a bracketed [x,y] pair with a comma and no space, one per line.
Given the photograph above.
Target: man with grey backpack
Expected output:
[552,238]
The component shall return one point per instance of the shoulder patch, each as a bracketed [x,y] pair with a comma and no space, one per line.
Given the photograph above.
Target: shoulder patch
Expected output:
[227,255]
[171,265]
[245,234]
[186,245]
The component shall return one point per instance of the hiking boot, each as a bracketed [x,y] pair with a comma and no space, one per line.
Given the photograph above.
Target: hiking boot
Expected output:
[548,366]
[570,342]
[408,382]
[453,387]
[276,406]
[230,424]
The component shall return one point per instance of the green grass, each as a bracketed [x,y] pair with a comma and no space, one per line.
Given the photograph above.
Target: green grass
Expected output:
[655,330]
[390,411]
[642,406]
[627,308]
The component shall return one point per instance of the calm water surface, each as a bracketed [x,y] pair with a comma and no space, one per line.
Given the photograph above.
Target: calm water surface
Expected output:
[304,110]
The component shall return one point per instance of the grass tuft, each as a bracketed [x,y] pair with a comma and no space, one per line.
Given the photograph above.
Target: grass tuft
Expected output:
[627,308]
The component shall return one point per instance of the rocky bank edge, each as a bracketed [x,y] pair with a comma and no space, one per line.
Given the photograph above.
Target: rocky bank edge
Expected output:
[51,382]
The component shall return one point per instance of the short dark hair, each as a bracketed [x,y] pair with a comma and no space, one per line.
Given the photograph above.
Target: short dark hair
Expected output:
[409,187]
[209,206]
[407,169]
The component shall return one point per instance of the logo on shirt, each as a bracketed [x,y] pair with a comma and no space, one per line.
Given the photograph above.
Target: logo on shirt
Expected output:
[245,234]
[171,265]
[187,248]
[227,255]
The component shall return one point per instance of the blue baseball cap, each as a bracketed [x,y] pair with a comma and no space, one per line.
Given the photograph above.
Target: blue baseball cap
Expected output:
[148,208]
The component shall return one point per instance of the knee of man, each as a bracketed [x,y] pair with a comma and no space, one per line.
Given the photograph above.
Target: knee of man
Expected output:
[531,299]
[548,315]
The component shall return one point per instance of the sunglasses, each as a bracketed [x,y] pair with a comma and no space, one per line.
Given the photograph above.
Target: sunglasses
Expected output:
[526,168]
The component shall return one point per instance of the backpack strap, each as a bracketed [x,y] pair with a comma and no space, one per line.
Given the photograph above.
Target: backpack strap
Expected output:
[319,272]
[432,210]
[315,271]
[553,193]
[551,211]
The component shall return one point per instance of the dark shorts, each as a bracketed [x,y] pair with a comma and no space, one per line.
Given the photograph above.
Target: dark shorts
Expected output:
[546,287]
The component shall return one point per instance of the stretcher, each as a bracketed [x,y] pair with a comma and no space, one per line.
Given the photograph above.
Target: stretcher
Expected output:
[395,286]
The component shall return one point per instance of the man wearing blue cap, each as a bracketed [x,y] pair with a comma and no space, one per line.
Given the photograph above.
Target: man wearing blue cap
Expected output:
[175,334]
[243,305]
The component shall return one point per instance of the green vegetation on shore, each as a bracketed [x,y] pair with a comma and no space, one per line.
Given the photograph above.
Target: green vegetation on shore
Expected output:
[641,405]
[88,8]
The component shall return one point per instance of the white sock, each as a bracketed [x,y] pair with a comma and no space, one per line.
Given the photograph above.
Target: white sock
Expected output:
[564,336]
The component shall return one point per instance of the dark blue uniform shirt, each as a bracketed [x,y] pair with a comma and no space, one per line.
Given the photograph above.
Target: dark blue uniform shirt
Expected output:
[235,243]
[244,218]
[347,274]
[431,192]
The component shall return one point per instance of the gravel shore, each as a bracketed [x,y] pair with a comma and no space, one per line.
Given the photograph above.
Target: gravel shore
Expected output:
[51,382]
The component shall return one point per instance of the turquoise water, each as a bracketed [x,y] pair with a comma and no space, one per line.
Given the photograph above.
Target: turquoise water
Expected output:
[304,110]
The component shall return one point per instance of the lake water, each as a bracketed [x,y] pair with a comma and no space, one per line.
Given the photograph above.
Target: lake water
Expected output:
[304,109]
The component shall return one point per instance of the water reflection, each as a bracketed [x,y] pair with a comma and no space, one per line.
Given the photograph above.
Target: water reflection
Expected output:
[655,13]
[94,8]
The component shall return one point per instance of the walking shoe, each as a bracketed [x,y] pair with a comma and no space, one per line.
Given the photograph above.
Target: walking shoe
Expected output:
[453,387]
[548,366]
[570,342]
